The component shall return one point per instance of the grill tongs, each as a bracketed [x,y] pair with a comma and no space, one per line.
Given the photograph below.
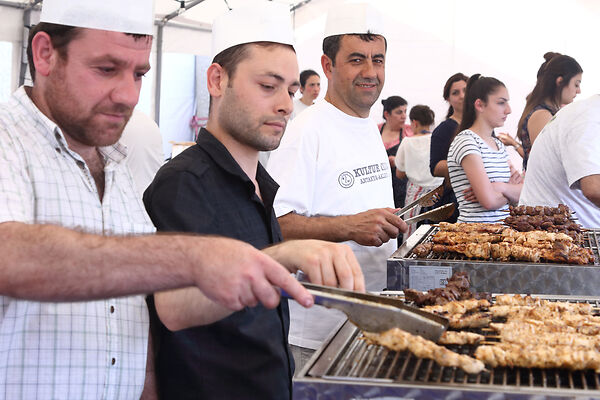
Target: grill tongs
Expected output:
[373,313]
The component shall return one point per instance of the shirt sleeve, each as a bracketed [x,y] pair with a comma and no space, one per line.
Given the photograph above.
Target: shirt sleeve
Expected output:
[464,145]
[16,193]
[293,166]
[580,147]
[401,157]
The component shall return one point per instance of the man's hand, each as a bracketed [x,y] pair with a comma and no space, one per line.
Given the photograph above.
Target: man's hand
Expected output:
[236,275]
[325,263]
[375,227]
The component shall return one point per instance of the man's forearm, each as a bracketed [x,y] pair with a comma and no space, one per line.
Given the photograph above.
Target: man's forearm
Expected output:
[51,263]
[185,308]
[333,229]
[590,186]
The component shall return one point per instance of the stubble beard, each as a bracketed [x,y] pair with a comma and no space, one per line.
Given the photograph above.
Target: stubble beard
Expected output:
[237,121]
[75,121]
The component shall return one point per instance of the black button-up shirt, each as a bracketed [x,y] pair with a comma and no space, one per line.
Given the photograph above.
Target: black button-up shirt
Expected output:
[246,355]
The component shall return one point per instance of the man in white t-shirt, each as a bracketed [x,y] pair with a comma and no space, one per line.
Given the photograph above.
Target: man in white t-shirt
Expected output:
[310,87]
[333,168]
[564,166]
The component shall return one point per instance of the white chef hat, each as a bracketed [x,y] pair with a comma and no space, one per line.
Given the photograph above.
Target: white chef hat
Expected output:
[131,16]
[260,21]
[354,18]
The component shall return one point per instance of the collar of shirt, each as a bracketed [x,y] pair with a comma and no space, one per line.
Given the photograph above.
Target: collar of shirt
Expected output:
[223,158]
[115,153]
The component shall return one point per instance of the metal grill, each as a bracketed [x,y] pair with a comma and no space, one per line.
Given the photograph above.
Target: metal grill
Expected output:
[590,241]
[406,270]
[347,359]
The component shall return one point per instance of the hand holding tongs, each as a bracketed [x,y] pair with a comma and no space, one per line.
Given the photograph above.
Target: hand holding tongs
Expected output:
[373,313]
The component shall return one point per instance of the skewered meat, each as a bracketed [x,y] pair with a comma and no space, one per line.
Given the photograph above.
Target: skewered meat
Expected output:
[559,251]
[471,227]
[540,210]
[457,288]
[475,320]
[460,338]
[458,307]
[539,356]
[398,340]
[423,249]
[452,238]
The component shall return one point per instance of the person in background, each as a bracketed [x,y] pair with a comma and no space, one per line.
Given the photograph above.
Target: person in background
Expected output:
[310,87]
[144,149]
[442,135]
[412,159]
[392,131]
[333,169]
[78,249]
[558,82]
[480,173]
[204,350]
[564,166]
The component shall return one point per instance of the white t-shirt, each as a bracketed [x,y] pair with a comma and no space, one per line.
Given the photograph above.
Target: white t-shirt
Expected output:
[330,164]
[413,158]
[567,149]
[299,106]
[496,166]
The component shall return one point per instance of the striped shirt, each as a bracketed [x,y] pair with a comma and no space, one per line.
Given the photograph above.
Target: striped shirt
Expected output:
[82,350]
[496,166]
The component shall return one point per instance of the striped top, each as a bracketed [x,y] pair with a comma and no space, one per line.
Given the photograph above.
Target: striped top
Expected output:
[496,166]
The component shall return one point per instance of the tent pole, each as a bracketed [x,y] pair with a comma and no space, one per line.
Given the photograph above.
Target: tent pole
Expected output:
[159,53]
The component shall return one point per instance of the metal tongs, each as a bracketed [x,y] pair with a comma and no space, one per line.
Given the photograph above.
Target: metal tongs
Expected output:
[373,313]
[427,200]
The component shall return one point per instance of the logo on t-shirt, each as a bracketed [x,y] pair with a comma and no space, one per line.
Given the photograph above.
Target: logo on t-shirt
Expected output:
[346,179]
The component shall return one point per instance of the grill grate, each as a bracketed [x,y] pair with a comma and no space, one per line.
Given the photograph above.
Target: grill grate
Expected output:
[590,241]
[366,362]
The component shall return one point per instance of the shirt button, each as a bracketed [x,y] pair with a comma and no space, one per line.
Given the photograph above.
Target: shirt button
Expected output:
[113,361]
[112,309]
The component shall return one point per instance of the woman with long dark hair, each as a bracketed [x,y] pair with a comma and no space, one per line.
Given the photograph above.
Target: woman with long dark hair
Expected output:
[454,94]
[392,131]
[482,178]
[558,82]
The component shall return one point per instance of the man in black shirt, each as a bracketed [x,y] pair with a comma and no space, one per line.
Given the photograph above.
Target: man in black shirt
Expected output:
[218,187]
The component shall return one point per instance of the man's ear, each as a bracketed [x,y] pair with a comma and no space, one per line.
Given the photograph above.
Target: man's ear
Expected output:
[43,53]
[216,80]
[327,65]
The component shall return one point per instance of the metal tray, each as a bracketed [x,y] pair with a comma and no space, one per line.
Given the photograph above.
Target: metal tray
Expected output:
[405,270]
[346,367]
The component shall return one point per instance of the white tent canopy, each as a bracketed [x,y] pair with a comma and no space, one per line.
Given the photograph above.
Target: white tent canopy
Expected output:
[428,40]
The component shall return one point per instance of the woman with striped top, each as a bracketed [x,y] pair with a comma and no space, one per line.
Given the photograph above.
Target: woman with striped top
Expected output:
[480,173]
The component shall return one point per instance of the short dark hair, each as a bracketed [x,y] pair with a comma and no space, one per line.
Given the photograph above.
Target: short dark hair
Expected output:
[423,114]
[391,103]
[304,75]
[230,58]
[60,36]
[331,44]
